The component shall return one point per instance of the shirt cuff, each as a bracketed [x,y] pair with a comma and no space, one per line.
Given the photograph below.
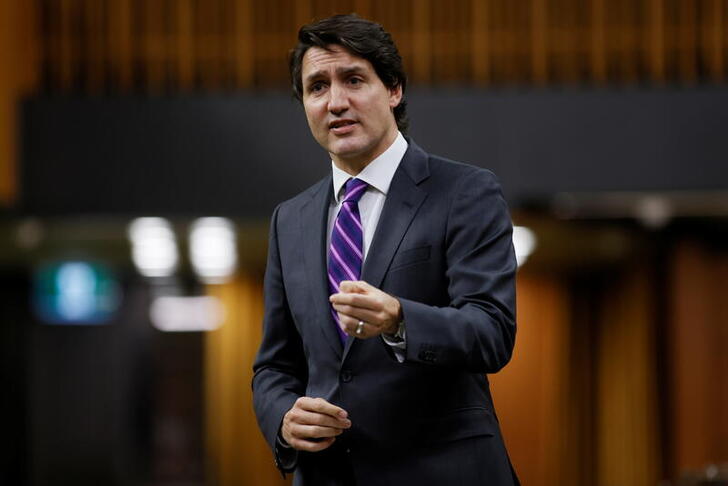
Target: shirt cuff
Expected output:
[398,342]
[286,456]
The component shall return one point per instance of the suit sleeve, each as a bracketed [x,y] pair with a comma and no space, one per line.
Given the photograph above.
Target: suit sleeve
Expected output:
[280,371]
[477,330]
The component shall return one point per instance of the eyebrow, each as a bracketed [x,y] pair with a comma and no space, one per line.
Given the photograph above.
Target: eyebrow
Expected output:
[345,71]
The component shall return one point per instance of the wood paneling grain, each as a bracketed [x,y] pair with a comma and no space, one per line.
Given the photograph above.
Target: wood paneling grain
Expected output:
[19,65]
[220,45]
[627,449]
[530,392]
[237,455]
[698,337]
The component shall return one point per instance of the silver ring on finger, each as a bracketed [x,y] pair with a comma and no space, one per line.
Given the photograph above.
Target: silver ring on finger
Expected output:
[359,328]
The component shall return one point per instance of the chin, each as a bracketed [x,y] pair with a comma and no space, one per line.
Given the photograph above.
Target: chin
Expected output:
[347,149]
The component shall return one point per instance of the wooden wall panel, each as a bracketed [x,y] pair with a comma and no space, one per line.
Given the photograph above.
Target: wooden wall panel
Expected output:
[237,455]
[530,392]
[655,40]
[121,61]
[18,68]
[218,45]
[579,402]
[713,32]
[243,44]
[597,44]
[698,357]
[7,149]
[627,447]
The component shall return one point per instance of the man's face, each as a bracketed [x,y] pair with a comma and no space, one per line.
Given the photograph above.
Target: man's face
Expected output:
[349,109]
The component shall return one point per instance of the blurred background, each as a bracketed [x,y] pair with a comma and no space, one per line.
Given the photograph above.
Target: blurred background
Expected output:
[144,144]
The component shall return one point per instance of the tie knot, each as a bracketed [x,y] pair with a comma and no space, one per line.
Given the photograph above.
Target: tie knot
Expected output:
[354,189]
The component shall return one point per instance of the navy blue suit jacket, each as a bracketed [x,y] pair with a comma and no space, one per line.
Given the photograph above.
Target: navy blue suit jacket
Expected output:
[443,247]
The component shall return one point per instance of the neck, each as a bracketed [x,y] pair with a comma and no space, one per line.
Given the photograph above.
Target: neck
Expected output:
[354,165]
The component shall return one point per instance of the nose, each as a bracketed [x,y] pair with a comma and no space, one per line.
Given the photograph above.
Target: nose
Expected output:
[338,99]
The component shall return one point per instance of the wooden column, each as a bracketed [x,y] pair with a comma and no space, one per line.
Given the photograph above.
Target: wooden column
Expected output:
[529,392]
[698,356]
[598,53]
[655,39]
[237,455]
[421,70]
[626,402]
[714,39]
[481,42]
[121,52]
[18,76]
[687,42]
[244,43]
[539,22]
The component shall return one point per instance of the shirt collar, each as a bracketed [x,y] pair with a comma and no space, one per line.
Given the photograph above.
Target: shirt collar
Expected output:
[378,173]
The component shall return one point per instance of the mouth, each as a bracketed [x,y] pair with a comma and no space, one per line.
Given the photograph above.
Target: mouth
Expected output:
[341,126]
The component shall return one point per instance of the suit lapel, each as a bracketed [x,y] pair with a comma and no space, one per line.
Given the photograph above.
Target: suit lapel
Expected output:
[314,218]
[403,200]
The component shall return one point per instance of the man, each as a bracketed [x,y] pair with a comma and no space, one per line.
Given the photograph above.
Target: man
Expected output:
[389,290]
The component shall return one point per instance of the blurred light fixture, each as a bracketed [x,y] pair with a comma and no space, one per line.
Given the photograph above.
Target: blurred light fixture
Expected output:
[524,242]
[154,248]
[75,292]
[29,233]
[654,211]
[213,249]
[178,314]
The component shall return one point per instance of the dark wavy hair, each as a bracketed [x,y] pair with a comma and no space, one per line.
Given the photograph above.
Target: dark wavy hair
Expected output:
[362,38]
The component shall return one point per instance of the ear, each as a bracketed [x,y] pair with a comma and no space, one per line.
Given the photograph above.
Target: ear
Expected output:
[395,96]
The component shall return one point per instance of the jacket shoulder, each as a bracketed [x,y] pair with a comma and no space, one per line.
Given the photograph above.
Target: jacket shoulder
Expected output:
[448,171]
[291,207]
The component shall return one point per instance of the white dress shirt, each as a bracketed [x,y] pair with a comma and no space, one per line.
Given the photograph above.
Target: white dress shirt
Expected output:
[378,175]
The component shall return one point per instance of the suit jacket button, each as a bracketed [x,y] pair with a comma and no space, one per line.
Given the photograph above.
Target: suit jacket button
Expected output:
[427,355]
[346,376]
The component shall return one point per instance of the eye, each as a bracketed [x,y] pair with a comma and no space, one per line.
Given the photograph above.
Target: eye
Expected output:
[316,87]
[355,81]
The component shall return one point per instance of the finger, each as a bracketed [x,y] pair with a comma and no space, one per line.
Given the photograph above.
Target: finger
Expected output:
[350,326]
[314,431]
[322,406]
[292,431]
[358,314]
[311,446]
[358,286]
[305,417]
[364,301]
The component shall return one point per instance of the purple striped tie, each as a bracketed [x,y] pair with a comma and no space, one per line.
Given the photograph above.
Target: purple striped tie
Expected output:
[345,251]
